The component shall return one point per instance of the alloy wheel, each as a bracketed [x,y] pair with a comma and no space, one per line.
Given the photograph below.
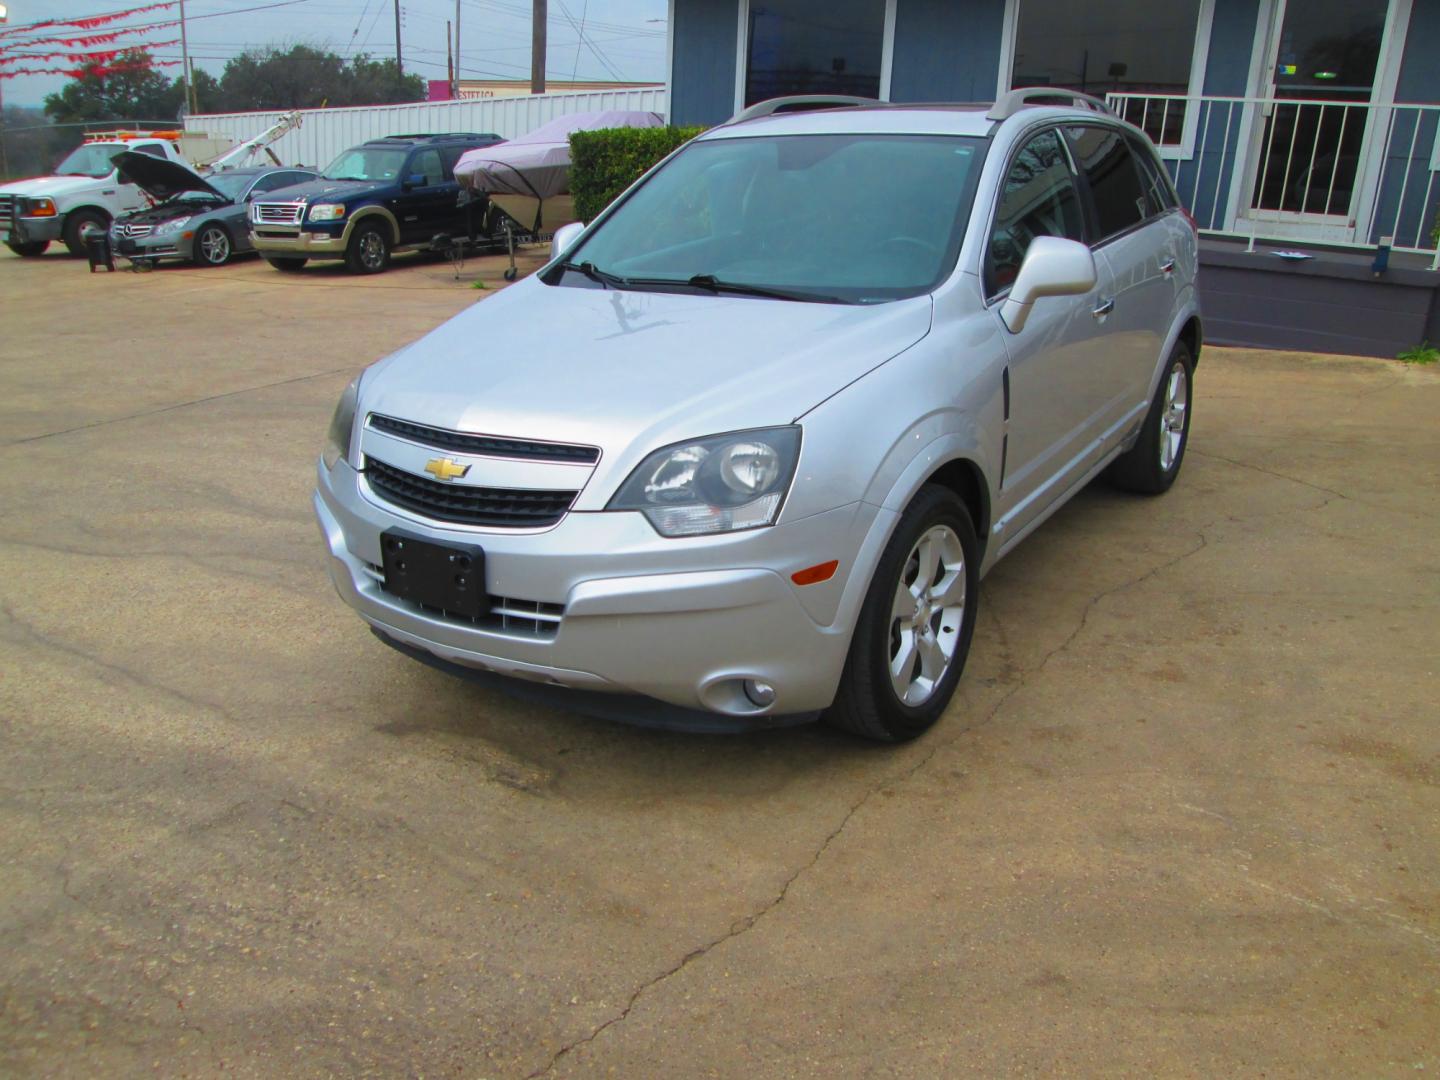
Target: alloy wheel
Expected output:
[927,614]
[214,246]
[372,250]
[1172,416]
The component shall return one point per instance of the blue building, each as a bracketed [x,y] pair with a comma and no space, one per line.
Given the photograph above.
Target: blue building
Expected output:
[1306,125]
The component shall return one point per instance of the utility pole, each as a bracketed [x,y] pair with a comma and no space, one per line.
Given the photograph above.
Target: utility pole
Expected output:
[449,58]
[537,47]
[455,89]
[185,64]
[399,63]
[4,159]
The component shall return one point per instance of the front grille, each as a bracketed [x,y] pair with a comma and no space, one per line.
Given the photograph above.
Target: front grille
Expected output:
[7,210]
[534,619]
[485,445]
[270,213]
[512,508]
[133,232]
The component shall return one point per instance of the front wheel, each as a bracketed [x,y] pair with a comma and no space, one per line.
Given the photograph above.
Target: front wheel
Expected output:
[915,626]
[28,250]
[1151,465]
[369,249]
[212,246]
[77,224]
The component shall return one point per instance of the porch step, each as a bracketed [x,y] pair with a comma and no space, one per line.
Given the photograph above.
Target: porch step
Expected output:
[1331,303]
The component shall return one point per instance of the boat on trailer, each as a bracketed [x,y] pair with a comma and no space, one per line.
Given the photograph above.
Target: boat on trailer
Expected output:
[529,177]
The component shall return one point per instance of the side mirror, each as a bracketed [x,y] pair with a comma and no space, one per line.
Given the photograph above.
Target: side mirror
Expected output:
[413,180]
[1052,267]
[565,238]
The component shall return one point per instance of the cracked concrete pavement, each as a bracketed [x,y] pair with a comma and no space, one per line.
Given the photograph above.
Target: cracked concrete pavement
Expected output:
[1182,818]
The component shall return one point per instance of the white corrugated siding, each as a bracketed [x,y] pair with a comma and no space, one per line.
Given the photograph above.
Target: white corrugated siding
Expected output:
[326,132]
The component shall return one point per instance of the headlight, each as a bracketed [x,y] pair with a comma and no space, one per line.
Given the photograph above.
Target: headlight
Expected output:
[325,211]
[41,208]
[173,225]
[720,484]
[337,441]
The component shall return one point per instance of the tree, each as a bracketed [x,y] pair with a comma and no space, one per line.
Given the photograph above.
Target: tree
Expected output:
[128,88]
[307,78]
[32,146]
[379,82]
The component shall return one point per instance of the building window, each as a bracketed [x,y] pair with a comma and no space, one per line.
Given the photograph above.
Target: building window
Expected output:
[1135,47]
[814,47]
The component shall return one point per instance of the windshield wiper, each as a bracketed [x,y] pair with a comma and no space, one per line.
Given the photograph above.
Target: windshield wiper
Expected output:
[714,284]
[594,273]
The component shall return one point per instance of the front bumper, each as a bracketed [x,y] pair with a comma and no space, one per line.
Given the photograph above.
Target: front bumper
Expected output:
[682,621]
[170,246]
[310,242]
[35,230]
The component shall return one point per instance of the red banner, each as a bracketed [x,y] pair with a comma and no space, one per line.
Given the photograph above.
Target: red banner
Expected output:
[86,57]
[91,22]
[89,71]
[88,40]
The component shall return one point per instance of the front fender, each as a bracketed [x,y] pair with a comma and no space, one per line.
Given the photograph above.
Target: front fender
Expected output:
[365,213]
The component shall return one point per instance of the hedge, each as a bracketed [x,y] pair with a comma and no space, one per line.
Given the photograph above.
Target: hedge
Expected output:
[605,163]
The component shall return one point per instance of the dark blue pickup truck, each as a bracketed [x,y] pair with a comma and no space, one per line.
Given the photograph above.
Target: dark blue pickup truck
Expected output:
[386,195]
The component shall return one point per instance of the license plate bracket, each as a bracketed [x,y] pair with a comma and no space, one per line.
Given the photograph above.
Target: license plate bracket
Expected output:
[450,577]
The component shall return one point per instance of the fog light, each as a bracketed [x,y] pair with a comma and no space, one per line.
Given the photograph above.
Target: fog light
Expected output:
[760,693]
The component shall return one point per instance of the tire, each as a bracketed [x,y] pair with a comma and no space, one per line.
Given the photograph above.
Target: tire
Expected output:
[30,250]
[1152,464]
[76,222]
[212,245]
[869,701]
[286,265]
[369,249]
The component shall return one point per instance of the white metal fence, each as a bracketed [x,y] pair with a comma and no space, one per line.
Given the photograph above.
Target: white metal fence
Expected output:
[324,133]
[1336,172]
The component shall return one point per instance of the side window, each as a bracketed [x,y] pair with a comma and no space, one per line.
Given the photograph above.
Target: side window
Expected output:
[1038,198]
[152,149]
[272,182]
[1159,195]
[449,157]
[1114,178]
[427,162]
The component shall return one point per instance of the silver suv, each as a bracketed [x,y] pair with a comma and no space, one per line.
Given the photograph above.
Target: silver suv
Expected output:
[751,439]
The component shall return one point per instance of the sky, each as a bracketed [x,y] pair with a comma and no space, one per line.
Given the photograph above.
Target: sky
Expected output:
[622,38]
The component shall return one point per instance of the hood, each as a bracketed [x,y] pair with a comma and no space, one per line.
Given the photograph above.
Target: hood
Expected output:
[161,178]
[52,187]
[633,371]
[322,190]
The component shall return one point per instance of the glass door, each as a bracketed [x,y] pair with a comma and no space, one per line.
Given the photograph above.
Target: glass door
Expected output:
[1325,58]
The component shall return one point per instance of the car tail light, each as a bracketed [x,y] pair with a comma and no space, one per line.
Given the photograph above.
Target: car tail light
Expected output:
[1190,220]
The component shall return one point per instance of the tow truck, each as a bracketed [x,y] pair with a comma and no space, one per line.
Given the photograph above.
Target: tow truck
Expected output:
[87,191]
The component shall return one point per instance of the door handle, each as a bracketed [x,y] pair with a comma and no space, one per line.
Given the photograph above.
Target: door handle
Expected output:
[1167,267]
[1104,309]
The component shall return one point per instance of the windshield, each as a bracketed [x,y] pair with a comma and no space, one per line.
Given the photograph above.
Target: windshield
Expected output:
[92,159]
[857,218]
[229,185]
[367,163]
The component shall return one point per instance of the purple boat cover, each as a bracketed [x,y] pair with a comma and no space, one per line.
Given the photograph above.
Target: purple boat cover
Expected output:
[538,164]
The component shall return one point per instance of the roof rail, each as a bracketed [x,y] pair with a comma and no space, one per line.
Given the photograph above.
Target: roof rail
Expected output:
[799,103]
[1009,104]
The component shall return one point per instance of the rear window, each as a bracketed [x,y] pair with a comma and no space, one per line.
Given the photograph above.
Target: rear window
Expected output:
[1158,192]
[1104,155]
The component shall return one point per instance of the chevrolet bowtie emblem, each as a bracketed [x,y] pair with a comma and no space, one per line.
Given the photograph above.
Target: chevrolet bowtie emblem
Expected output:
[444,468]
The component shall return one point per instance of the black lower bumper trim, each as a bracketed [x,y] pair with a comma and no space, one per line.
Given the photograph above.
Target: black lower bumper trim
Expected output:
[632,709]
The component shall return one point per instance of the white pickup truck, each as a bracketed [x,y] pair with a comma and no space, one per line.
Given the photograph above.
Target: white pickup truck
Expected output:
[86,190]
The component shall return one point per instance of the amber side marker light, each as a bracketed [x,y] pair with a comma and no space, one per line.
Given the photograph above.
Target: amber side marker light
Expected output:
[813,575]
